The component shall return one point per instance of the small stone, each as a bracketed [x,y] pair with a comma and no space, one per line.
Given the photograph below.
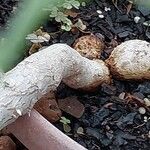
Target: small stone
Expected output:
[145,118]
[6,143]
[80,130]
[101,16]
[147,102]
[122,95]
[136,19]
[107,9]
[142,110]
[99,11]
[107,127]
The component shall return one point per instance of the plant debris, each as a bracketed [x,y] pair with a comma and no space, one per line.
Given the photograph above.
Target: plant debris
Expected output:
[48,108]
[72,106]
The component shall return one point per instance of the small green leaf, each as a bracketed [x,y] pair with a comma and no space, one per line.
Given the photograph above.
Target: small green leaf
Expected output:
[67,6]
[83,4]
[54,12]
[67,21]
[60,16]
[64,120]
[75,4]
[66,128]
[66,27]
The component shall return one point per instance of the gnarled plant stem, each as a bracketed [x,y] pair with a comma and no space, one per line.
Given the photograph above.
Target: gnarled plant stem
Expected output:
[42,72]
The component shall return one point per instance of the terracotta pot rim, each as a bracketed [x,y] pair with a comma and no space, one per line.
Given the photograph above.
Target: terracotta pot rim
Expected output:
[35,129]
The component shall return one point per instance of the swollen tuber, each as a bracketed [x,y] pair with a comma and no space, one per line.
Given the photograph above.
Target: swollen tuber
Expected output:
[42,72]
[130,60]
[89,46]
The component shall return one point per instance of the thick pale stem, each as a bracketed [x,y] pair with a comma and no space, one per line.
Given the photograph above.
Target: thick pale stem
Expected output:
[42,72]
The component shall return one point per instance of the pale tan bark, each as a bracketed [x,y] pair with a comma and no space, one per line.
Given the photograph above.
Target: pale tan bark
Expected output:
[42,72]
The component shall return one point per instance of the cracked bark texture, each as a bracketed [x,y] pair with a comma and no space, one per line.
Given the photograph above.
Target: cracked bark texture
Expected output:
[42,72]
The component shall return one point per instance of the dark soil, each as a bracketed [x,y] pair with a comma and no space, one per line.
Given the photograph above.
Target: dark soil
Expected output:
[6,9]
[108,122]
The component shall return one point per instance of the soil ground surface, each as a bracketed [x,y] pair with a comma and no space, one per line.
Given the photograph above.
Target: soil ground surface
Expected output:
[6,9]
[111,120]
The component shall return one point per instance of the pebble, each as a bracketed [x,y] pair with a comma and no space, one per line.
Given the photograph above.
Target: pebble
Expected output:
[145,118]
[107,9]
[147,102]
[142,110]
[99,11]
[122,95]
[137,19]
[101,16]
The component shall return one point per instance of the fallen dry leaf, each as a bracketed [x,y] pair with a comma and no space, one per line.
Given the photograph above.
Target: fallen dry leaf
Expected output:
[66,128]
[72,106]
[71,13]
[80,25]
[147,102]
[48,108]
[135,100]
[34,48]
[80,131]
[129,6]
